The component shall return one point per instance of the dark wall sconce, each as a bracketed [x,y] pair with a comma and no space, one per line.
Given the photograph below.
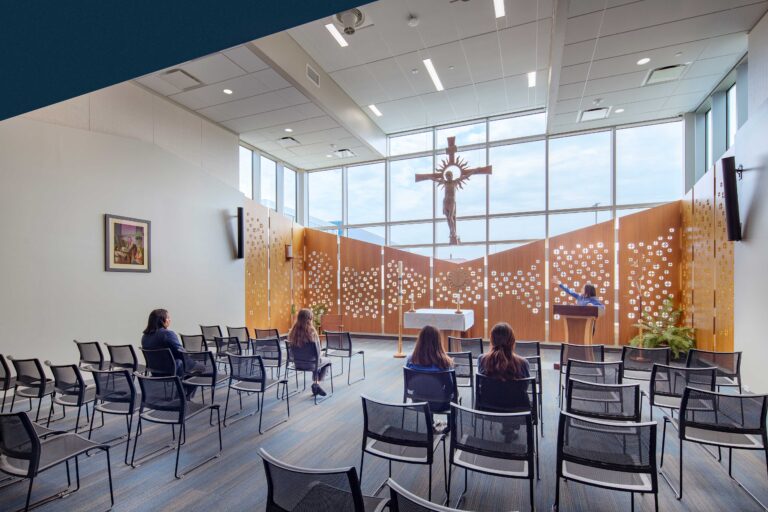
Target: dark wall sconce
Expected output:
[288,252]
[240,233]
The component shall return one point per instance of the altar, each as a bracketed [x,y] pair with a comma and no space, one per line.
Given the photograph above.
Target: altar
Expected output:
[446,320]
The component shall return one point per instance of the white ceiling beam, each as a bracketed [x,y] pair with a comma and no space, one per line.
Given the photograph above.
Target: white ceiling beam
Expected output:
[556,46]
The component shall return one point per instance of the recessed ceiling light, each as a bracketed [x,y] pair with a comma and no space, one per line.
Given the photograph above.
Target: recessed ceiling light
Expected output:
[618,111]
[337,35]
[498,6]
[328,156]
[532,79]
[644,60]
[433,74]
[414,71]
[289,130]
[227,91]
[679,54]
[375,110]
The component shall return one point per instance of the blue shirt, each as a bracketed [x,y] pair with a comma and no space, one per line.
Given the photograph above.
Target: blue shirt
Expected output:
[582,300]
[413,366]
[164,338]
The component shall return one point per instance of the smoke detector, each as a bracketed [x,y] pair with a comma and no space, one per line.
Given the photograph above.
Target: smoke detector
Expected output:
[344,153]
[351,20]
[288,142]
[413,20]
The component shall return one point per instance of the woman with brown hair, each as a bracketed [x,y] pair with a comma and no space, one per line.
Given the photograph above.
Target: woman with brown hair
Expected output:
[301,335]
[428,354]
[501,363]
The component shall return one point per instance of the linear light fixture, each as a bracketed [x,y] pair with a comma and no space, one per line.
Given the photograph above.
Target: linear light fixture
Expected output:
[433,74]
[498,6]
[532,79]
[337,35]
[375,110]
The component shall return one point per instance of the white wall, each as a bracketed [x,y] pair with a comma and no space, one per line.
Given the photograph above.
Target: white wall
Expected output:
[123,151]
[751,254]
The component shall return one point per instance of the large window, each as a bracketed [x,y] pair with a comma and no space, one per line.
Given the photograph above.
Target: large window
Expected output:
[268,182]
[580,171]
[325,198]
[732,120]
[289,192]
[246,172]
[649,163]
[515,127]
[410,143]
[410,200]
[519,178]
[365,193]
[465,135]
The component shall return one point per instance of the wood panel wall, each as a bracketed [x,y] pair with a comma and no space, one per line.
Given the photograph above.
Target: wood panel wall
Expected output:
[723,257]
[577,258]
[416,277]
[472,295]
[321,267]
[516,290]
[702,240]
[299,259]
[649,264]
[280,296]
[256,264]
[686,258]
[360,283]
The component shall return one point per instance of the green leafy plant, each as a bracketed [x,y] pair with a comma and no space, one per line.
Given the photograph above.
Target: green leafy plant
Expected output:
[318,310]
[663,330]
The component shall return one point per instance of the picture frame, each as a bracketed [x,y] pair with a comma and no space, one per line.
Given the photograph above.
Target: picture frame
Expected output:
[127,244]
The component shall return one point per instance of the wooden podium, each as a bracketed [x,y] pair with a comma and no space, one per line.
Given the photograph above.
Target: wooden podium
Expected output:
[579,322]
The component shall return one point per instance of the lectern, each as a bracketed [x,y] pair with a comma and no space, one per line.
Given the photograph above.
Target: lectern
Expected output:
[579,322]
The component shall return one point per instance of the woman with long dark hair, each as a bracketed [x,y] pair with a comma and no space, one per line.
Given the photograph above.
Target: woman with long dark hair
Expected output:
[303,333]
[158,336]
[428,354]
[501,362]
[588,298]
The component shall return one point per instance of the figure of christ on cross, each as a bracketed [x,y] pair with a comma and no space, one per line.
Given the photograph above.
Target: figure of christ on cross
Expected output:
[444,177]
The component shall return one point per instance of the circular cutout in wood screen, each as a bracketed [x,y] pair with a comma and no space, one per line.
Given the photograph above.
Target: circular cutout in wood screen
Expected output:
[471,292]
[649,279]
[255,264]
[360,297]
[580,265]
[320,278]
[413,283]
[523,285]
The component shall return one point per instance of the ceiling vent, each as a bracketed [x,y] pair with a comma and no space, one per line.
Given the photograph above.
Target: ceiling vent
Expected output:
[313,75]
[350,20]
[593,114]
[288,142]
[664,74]
[344,153]
[181,79]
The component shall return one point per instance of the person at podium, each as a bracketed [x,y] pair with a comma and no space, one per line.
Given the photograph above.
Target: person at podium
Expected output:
[588,298]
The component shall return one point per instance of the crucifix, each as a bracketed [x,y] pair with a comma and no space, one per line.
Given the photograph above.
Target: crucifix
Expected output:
[444,177]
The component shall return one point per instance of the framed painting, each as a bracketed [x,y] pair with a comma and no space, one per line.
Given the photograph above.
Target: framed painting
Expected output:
[127,244]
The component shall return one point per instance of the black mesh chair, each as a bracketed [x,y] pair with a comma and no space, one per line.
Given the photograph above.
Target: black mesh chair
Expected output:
[497,444]
[464,366]
[91,355]
[160,362]
[607,454]
[242,335]
[595,353]
[194,342]
[509,396]
[292,488]
[70,390]
[612,402]
[224,346]
[727,364]
[305,359]
[262,334]
[402,500]
[339,344]
[115,394]
[400,433]
[638,362]
[270,352]
[23,454]
[7,381]
[531,350]
[438,389]
[474,345]
[669,382]
[163,401]
[210,332]
[31,382]
[592,371]
[721,420]
[247,375]
[124,356]
[200,371]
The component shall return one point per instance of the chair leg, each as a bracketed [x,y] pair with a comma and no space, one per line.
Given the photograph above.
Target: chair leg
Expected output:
[632,501]
[362,459]
[429,491]
[178,451]
[109,477]
[663,442]
[557,493]
[29,493]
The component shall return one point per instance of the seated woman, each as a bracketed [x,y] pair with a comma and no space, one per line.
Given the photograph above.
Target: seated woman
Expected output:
[303,334]
[501,362]
[428,354]
[157,336]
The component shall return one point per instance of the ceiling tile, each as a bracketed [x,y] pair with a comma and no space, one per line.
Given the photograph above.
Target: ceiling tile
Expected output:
[213,68]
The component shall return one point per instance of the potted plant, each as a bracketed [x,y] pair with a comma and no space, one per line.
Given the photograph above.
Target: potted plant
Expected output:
[318,310]
[293,314]
[663,331]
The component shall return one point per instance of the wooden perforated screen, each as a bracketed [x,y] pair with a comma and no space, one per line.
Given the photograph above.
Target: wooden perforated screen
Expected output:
[415,281]
[321,268]
[280,235]
[256,225]
[702,239]
[360,280]
[472,293]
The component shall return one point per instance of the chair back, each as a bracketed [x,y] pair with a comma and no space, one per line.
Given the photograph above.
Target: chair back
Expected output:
[201,365]
[638,359]
[123,356]
[160,362]
[115,386]
[268,349]
[338,341]
[473,345]
[728,364]
[625,447]
[304,357]
[227,345]
[241,333]
[29,373]
[490,434]
[528,348]
[615,402]
[398,424]
[464,367]
[210,332]
[19,445]
[402,500]
[580,352]
[671,381]
[324,490]
[495,395]
[438,389]
[5,374]
[164,394]
[247,369]
[590,371]
[261,334]
[68,381]
[90,353]
[194,342]
[726,413]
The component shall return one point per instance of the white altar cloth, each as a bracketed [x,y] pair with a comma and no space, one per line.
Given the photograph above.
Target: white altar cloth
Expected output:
[443,319]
